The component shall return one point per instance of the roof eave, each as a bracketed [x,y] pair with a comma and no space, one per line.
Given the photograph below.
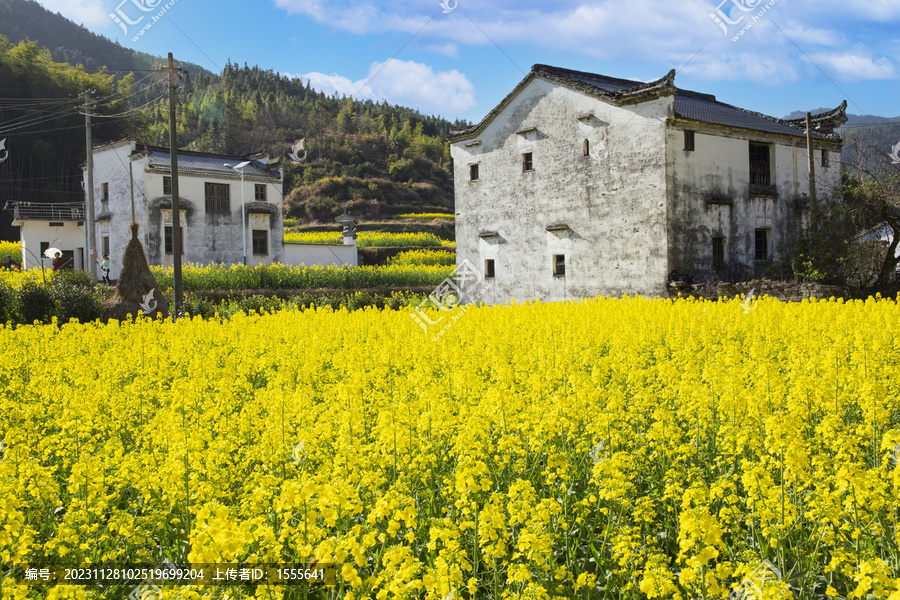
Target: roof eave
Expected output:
[818,137]
[640,92]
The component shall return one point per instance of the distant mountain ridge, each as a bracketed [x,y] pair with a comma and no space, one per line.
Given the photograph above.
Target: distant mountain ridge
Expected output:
[26,20]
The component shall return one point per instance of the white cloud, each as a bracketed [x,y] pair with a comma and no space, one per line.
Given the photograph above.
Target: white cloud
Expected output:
[742,66]
[449,49]
[403,82]
[89,13]
[631,31]
[853,66]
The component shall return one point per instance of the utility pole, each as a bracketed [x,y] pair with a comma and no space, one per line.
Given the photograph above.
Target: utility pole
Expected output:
[91,261]
[813,202]
[176,204]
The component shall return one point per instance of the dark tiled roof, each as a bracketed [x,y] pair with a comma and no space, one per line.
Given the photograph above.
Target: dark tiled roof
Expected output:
[601,85]
[705,108]
[196,162]
[688,105]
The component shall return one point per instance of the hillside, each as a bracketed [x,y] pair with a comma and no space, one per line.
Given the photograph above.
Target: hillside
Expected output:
[68,42]
[371,158]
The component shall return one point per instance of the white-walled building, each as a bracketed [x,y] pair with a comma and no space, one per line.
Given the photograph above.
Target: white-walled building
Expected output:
[210,203]
[578,184]
[44,226]
[210,198]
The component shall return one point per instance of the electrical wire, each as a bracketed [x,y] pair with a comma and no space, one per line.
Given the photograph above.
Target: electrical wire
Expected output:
[30,117]
[38,120]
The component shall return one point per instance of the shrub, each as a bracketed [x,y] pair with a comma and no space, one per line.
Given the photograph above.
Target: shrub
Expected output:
[194,306]
[74,297]
[34,303]
[7,302]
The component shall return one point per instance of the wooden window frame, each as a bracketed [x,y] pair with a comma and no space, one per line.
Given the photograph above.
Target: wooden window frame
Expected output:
[217,203]
[760,162]
[718,252]
[757,250]
[169,239]
[256,243]
[527,162]
[559,265]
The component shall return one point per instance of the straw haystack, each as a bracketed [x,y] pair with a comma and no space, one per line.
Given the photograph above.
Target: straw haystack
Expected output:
[133,290]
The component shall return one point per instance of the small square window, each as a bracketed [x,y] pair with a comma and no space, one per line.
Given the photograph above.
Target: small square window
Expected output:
[167,185]
[688,140]
[559,265]
[260,242]
[489,268]
[473,172]
[259,192]
[762,244]
[527,163]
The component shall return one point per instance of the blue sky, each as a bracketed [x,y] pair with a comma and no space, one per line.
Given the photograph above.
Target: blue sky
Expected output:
[459,59]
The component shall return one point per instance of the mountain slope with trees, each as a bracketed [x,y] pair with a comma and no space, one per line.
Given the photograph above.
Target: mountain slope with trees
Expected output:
[371,158]
[68,42]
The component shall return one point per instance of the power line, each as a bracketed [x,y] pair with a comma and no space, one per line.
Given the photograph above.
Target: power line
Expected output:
[38,120]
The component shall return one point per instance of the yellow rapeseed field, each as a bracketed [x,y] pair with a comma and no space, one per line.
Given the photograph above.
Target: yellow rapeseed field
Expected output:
[608,449]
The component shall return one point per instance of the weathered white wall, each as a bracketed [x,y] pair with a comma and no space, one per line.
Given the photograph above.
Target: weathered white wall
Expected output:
[709,195]
[111,166]
[613,200]
[320,254]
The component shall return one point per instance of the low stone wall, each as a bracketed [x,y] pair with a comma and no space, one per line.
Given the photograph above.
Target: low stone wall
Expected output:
[786,291]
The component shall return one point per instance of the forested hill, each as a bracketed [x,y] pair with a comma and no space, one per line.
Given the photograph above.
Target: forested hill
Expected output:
[68,42]
[371,158]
